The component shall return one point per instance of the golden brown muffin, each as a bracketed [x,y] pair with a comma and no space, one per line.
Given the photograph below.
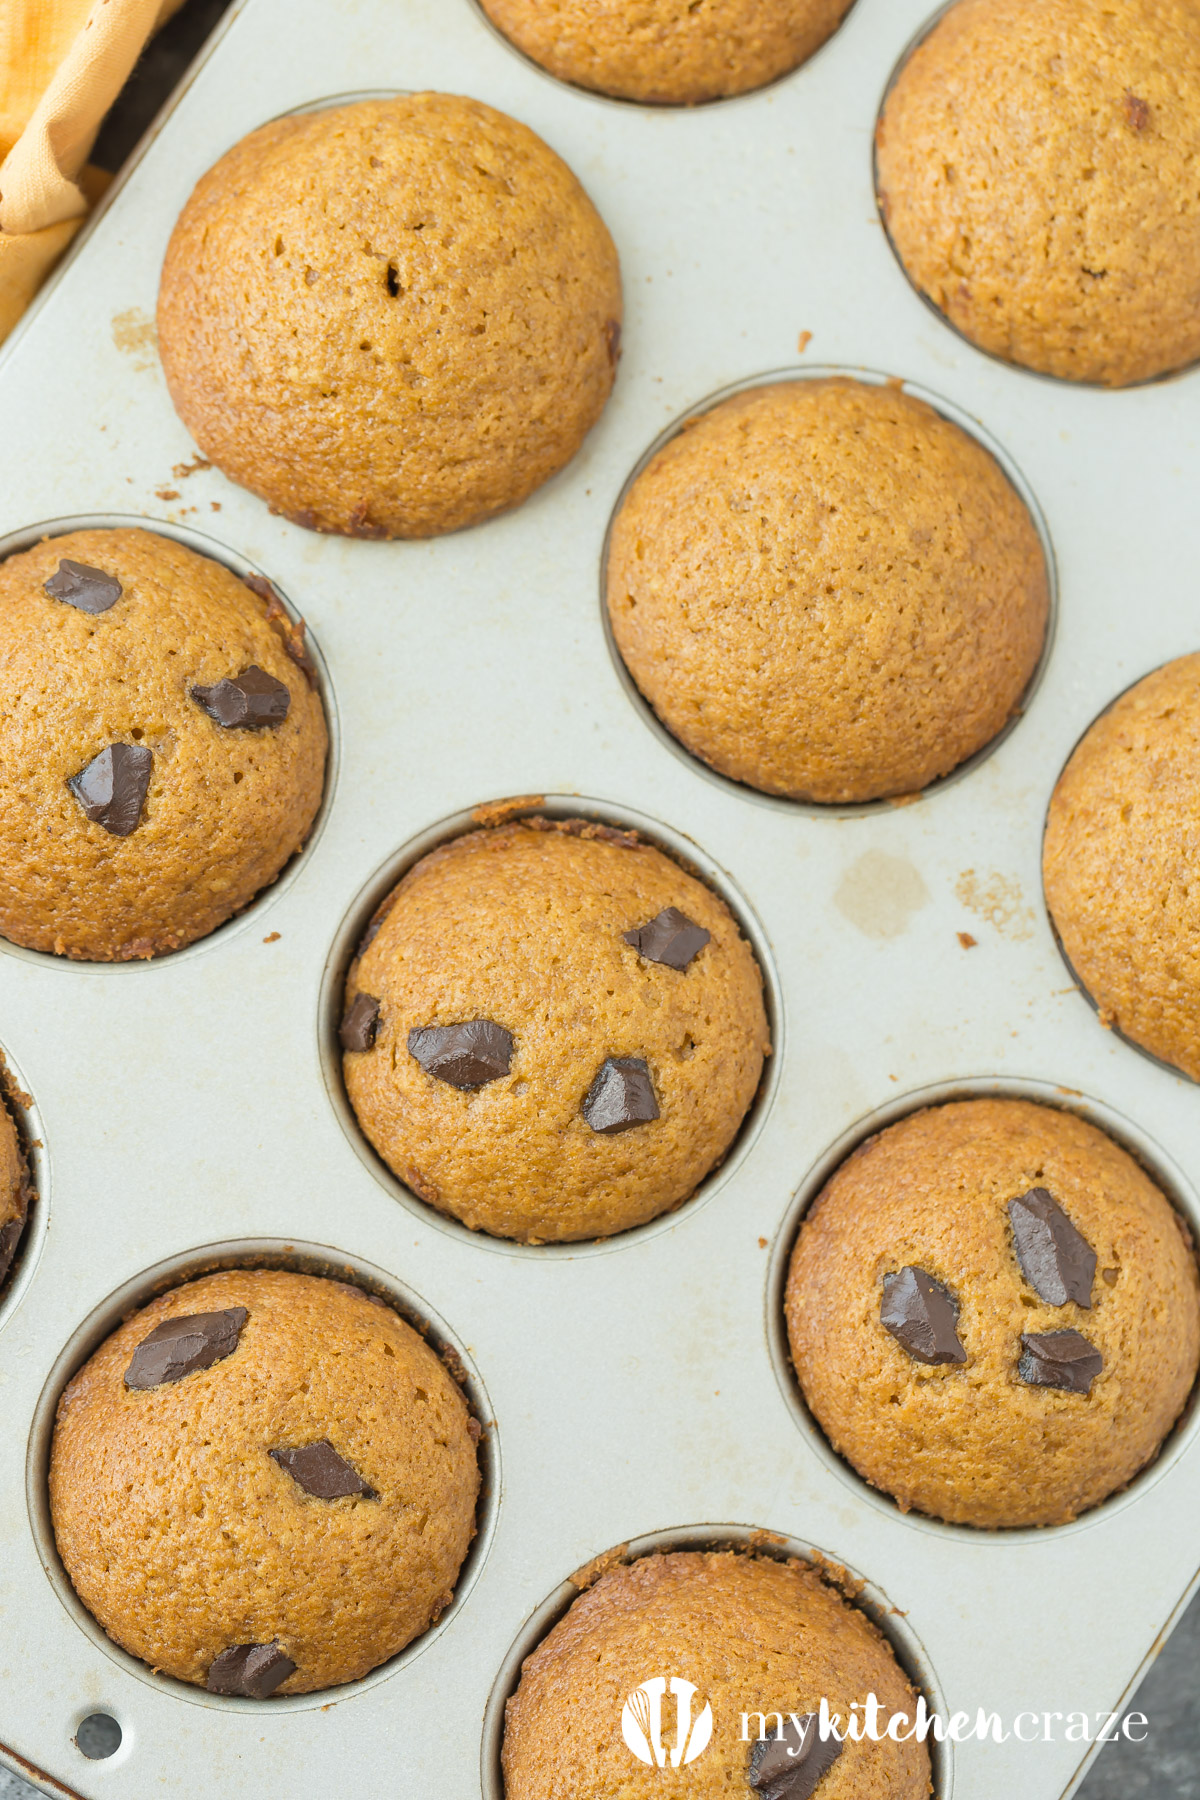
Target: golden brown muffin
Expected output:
[293,1472]
[521,1063]
[390,319]
[162,752]
[994,1313]
[668,52]
[750,1635]
[14,1189]
[828,591]
[1119,863]
[1036,170]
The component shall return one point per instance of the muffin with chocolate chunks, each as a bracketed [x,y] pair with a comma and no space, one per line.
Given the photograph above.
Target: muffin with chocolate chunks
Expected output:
[392,318]
[14,1187]
[994,1313]
[827,590]
[552,1031]
[1036,167]
[1120,865]
[162,744]
[668,52]
[264,1483]
[749,1636]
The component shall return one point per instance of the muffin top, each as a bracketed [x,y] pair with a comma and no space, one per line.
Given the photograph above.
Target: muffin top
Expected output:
[14,1195]
[162,752]
[828,591]
[749,1635]
[994,1313]
[392,318]
[669,52]
[1119,860]
[1036,172]
[552,1031]
[290,1472]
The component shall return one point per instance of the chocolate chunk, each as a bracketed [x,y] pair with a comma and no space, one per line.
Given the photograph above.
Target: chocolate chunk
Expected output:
[670,937]
[245,702]
[612,339]
[360,1023]
[1059,1359]
[112,788]
[320,1471]
[1056,1260]
[177,1346]
[790,1767]
[622,1095]
[1137,113]
[922,1315]
[252,1671]
[467,1055]
[91,590]
[10,1236]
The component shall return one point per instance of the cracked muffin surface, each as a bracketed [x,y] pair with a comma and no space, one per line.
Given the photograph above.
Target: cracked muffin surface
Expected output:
[520,1063]
[391,318]
[1037,173]
[1069,1329]
[827,590]
[162,751]
[191,1523]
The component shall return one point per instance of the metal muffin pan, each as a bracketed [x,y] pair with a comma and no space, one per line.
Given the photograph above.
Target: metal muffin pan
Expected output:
[187,1103]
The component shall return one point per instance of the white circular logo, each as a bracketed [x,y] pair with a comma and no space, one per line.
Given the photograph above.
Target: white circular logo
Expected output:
[641,1723]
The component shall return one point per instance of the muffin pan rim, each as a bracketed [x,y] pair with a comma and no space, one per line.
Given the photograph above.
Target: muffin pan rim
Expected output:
[31,1135]
[303,1258]
[26,537]
[954,415]
[1149,1155]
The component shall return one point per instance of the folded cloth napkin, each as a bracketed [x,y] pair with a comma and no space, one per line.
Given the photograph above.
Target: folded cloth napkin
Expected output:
[62,64]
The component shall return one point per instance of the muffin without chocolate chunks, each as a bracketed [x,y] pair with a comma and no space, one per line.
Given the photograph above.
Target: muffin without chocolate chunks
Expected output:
[827,590]
[162,752]
[1119,862]
[264,1482]
[994,1313]
[1036,165]
[552,1031]
[750,1635]
[390,319]
[668,52]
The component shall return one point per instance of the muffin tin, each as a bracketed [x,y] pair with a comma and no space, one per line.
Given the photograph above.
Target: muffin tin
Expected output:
[189,1108]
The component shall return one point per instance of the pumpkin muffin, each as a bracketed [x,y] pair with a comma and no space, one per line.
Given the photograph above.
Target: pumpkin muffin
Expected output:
[828,591]
[264,1483]
[162,745]
[747,1635]
[994,1313]
[552,1031]
[14,1189]
[391,318]
[1036,173]
[668,52]
[1119,861]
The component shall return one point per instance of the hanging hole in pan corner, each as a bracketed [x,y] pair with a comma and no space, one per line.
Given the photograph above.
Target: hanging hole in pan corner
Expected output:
[98,1736]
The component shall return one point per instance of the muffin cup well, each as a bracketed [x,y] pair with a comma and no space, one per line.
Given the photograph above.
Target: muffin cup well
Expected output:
[1161,1168]
[909,1651]
[31,1137]
[302,1259]
[241,566]
[955,416]
[553,806]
